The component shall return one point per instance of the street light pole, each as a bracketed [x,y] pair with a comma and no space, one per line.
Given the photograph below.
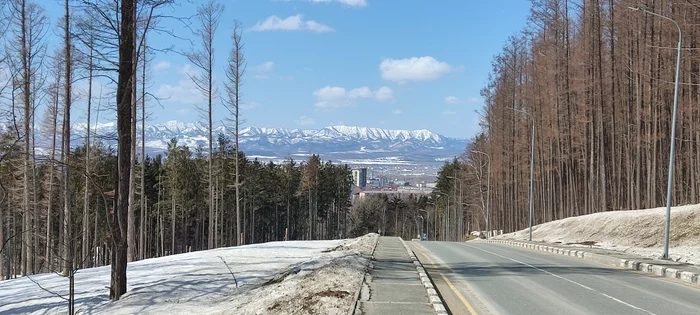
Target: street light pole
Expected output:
[488,193]
[459,215]
[667,230]
[447,211]
[421,226]
[532,163]
[427,222]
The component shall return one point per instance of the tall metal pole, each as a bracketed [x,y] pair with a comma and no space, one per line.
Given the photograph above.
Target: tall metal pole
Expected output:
[458,213]
[422,220]
[488,193]
[669,190]
[532,164]
[446,217]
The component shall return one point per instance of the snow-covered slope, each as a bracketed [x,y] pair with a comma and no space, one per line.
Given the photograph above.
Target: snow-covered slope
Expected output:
[273,278]
[636,231]
[283,142]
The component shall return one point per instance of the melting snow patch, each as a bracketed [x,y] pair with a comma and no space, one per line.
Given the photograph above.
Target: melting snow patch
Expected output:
[639,232]
[296,277]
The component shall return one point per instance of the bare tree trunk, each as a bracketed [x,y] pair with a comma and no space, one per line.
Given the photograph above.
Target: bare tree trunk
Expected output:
[26,99]
[86,193]
[172,225]
[49,207]
[208,15]
[144,211]
[131,227]
[68,222]
[124,113]
[234,75]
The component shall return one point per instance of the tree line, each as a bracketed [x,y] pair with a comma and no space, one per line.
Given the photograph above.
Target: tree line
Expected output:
[598,80]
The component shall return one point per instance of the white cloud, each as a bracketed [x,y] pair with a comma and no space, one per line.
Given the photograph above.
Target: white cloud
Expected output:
[449,112]
[249,105]
[397,112]
[384,94]
[162,65]
[291,23]
[352,3]
[183,91]
[474,100]
[183,112]
[336,97]
[263,70]
[305,121]
[452,100]
[363,92]
[413,69]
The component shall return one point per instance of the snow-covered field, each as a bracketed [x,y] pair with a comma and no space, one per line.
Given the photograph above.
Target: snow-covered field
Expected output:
[296,277]
[639,232]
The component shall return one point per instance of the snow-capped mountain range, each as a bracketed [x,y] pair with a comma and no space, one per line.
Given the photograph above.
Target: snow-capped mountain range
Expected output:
[339,141]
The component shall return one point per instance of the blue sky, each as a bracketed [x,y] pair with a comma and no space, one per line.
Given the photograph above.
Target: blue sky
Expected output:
[409,64]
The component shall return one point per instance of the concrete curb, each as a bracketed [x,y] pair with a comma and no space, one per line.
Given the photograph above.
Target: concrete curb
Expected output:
[355,308]
[435,300]
[658,270]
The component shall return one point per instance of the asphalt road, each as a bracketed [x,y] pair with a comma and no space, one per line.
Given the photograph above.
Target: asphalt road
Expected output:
[482,278]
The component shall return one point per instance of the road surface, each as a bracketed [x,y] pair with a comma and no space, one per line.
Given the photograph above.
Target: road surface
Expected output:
[483,278]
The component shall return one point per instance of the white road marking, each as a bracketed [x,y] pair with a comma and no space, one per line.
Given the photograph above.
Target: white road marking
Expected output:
[565,279]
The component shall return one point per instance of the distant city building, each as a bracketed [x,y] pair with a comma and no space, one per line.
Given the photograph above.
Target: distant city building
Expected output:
[359,177]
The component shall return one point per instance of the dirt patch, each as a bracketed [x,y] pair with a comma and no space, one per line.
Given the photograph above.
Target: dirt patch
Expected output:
[587,243]
[330,293]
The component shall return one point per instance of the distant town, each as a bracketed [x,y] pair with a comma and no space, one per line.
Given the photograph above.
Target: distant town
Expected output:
[370,181]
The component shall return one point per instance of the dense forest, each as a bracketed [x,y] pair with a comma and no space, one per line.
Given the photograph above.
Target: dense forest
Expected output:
[597,81]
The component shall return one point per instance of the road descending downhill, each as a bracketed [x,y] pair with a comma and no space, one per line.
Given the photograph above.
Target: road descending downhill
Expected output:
[481,278]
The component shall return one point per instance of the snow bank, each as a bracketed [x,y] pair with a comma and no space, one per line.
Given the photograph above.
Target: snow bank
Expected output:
[295,277]
[639,232]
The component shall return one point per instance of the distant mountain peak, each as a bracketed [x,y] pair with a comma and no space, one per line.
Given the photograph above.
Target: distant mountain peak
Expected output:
[337,140]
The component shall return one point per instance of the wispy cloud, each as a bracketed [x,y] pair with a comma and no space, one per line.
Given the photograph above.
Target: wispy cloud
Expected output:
[330,97]
[452,100]
[305,121]
[162,65]
[449,112]
[413,69]
[474,100]
[397,112]
[352,3]
[291,23]
[249,105]
[183,91]
[263,70]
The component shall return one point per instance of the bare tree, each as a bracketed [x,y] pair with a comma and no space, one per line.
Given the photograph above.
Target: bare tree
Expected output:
[86,192]
[51,123]
[68,222]
[144,209]
[208,16]
[234,74]
[124,103]
[29,27]
[131,218]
